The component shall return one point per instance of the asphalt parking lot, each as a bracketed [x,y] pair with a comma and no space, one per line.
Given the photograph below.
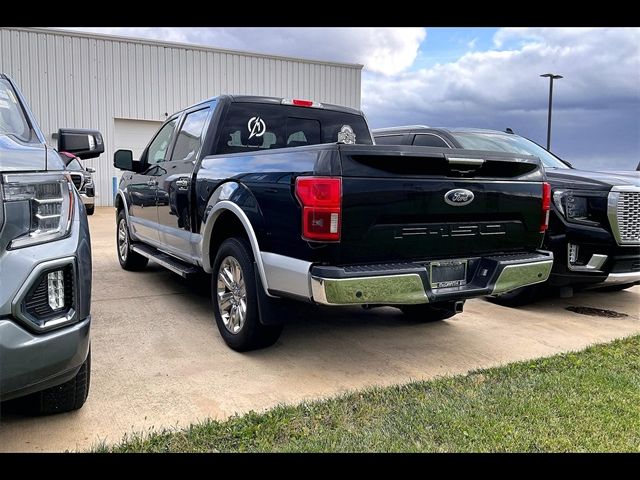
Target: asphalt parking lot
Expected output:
[158,360]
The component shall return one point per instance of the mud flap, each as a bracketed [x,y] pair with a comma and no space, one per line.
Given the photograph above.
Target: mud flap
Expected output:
[272,311]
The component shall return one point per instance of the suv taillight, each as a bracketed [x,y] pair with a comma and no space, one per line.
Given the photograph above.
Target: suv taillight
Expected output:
[321,200]
[546,205]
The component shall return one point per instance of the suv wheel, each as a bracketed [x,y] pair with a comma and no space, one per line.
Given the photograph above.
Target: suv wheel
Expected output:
[235,301]
[91,210]
[129,260]
[67,397]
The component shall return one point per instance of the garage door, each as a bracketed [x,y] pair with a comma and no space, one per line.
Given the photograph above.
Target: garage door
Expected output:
[134,134]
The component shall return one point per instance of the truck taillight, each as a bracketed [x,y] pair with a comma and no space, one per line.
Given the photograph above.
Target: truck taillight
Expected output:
[546,205]
[321,200]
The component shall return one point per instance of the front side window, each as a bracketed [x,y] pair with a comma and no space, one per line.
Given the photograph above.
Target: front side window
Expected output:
[12,117]
[157,151]
[190,136]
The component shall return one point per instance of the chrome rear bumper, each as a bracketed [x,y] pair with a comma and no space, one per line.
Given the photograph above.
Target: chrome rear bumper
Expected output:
[409,283]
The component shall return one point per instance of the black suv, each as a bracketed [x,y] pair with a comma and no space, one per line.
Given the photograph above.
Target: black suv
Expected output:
[594,229]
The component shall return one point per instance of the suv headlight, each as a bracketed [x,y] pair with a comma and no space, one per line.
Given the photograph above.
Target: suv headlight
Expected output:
[43,207]
[588,208]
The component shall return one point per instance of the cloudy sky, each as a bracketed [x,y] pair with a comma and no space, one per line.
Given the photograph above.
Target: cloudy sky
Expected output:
[475,77]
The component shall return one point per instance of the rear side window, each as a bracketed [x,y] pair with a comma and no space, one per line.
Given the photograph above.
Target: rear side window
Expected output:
[429,140]
[190,135]
[259,126]
[389,140]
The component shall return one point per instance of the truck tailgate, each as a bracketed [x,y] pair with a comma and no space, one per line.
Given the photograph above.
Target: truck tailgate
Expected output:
[394,203]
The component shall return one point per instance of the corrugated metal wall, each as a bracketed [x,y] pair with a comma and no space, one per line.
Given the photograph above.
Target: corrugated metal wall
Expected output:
[85,81]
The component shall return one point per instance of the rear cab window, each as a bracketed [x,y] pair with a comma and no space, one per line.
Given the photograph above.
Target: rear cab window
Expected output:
[259,126]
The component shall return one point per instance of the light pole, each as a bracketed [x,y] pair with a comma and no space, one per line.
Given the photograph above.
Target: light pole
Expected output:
[552,77]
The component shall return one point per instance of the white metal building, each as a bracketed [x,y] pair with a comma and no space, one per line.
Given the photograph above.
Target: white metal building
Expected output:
[126,87]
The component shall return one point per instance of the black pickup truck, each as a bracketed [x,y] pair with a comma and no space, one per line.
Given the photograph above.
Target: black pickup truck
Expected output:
[594,228]
[290,199]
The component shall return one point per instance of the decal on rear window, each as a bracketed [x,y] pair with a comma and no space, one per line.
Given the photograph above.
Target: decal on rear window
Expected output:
[346,135]
[256,127]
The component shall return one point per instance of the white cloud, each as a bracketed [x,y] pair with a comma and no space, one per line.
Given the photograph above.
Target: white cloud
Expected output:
[500,88]
[383,50]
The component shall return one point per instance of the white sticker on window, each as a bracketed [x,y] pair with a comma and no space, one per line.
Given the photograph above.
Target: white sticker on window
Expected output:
[256,127]
[346,135]
[4,104]
[4,95]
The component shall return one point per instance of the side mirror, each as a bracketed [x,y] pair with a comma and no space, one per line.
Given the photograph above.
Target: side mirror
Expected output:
[90,170]
[82,143]
[123,159]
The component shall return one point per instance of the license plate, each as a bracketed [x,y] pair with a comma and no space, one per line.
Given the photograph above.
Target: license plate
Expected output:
[450,273]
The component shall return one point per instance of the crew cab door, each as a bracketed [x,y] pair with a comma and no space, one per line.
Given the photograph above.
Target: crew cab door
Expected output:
[174,183]
[143,186]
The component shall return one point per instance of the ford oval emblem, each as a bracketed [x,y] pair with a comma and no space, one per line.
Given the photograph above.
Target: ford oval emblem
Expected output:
[459,197]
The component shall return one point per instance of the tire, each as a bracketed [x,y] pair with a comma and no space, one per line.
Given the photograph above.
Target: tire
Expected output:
[62,398]
[427,313]
[129,260]
[518,297]
[91,209]
[234,262]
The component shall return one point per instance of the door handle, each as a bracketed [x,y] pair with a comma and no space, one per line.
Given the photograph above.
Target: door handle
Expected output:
[182,183]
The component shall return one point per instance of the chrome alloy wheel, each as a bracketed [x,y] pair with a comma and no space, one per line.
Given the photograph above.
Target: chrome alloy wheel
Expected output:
[232,295]
[123,240]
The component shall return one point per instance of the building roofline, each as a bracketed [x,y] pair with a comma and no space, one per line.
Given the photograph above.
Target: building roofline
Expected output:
[184,46]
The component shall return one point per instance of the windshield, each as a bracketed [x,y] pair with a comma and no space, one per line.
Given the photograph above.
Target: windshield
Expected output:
[12,119]
[499,142]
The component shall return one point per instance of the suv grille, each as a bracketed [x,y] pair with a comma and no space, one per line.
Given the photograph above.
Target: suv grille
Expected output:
[624,216]
[77,180]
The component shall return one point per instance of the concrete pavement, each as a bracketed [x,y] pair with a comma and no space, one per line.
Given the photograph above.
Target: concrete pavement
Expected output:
[158,360]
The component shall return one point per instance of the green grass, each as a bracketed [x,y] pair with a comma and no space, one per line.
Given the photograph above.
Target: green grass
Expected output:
[584,401]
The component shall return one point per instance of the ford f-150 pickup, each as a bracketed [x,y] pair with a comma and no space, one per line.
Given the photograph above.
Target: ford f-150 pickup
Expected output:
[291,200]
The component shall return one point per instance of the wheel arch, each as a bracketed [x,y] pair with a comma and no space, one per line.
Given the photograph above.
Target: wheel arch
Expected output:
[225,216]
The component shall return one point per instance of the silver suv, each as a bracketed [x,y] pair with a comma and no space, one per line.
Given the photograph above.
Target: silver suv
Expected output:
[45,263]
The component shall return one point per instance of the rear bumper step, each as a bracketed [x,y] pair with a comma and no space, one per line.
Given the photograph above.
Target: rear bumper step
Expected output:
[409,283]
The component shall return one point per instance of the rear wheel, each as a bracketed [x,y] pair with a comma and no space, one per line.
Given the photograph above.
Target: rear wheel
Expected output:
[518,297]
[67,397]
[428,312]
[91,209]
[235,301]
[129,260]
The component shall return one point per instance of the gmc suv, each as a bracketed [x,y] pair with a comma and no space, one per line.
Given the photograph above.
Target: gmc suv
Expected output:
[45,263]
